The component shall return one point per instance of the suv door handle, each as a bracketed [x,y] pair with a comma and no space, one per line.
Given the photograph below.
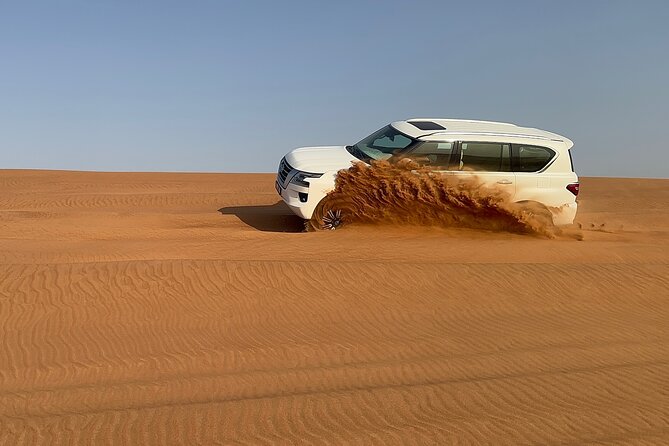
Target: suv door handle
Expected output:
[504,182]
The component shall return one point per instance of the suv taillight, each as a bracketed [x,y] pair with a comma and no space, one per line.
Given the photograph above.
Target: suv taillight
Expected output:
[573,188]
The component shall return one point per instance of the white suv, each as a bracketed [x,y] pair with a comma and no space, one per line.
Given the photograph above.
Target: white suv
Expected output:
[530,164]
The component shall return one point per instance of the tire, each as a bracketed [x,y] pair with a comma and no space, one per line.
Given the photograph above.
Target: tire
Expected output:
[330,214]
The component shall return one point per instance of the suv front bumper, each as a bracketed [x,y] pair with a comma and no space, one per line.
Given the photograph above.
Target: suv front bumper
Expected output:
[298,199]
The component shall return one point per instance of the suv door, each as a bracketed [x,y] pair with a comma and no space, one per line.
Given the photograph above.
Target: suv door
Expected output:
[489,162]
[528,162]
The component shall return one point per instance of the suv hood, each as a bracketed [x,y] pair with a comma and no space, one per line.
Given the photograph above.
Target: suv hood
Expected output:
[320,159]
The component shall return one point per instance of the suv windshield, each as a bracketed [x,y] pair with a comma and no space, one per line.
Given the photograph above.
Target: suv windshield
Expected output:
[381,145]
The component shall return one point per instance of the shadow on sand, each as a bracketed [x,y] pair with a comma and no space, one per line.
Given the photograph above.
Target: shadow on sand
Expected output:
[270,218]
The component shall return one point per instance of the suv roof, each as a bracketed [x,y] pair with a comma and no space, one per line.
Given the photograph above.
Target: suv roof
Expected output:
[420,127]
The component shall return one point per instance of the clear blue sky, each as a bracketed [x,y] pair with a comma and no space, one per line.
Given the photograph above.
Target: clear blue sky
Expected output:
[232,85]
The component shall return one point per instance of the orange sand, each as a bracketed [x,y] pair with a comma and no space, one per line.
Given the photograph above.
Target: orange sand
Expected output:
[132,311]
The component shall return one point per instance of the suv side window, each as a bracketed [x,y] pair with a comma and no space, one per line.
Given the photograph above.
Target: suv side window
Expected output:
[434,154]
[530,158]
[485,156]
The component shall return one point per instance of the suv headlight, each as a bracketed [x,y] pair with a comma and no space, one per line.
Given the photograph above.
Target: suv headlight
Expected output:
[299,178]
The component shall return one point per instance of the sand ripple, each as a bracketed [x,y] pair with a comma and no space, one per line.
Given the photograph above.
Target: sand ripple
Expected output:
[132,311]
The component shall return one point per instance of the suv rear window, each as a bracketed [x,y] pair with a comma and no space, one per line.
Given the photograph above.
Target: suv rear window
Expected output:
[571,161]
[531,158]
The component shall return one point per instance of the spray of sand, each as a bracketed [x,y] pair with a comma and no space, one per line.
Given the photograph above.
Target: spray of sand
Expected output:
[405,193]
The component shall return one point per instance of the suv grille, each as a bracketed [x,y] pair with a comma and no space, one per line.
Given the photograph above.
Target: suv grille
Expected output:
[284,170]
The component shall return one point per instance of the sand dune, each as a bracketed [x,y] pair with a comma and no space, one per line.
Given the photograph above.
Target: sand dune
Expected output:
[188,309]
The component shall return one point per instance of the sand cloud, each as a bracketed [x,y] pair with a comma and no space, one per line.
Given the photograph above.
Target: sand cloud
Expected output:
[405,193]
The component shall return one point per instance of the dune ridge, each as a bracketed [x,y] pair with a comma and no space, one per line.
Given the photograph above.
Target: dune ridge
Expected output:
[161,308]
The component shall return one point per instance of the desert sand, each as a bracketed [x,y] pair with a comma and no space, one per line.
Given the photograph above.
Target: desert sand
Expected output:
[162,308]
